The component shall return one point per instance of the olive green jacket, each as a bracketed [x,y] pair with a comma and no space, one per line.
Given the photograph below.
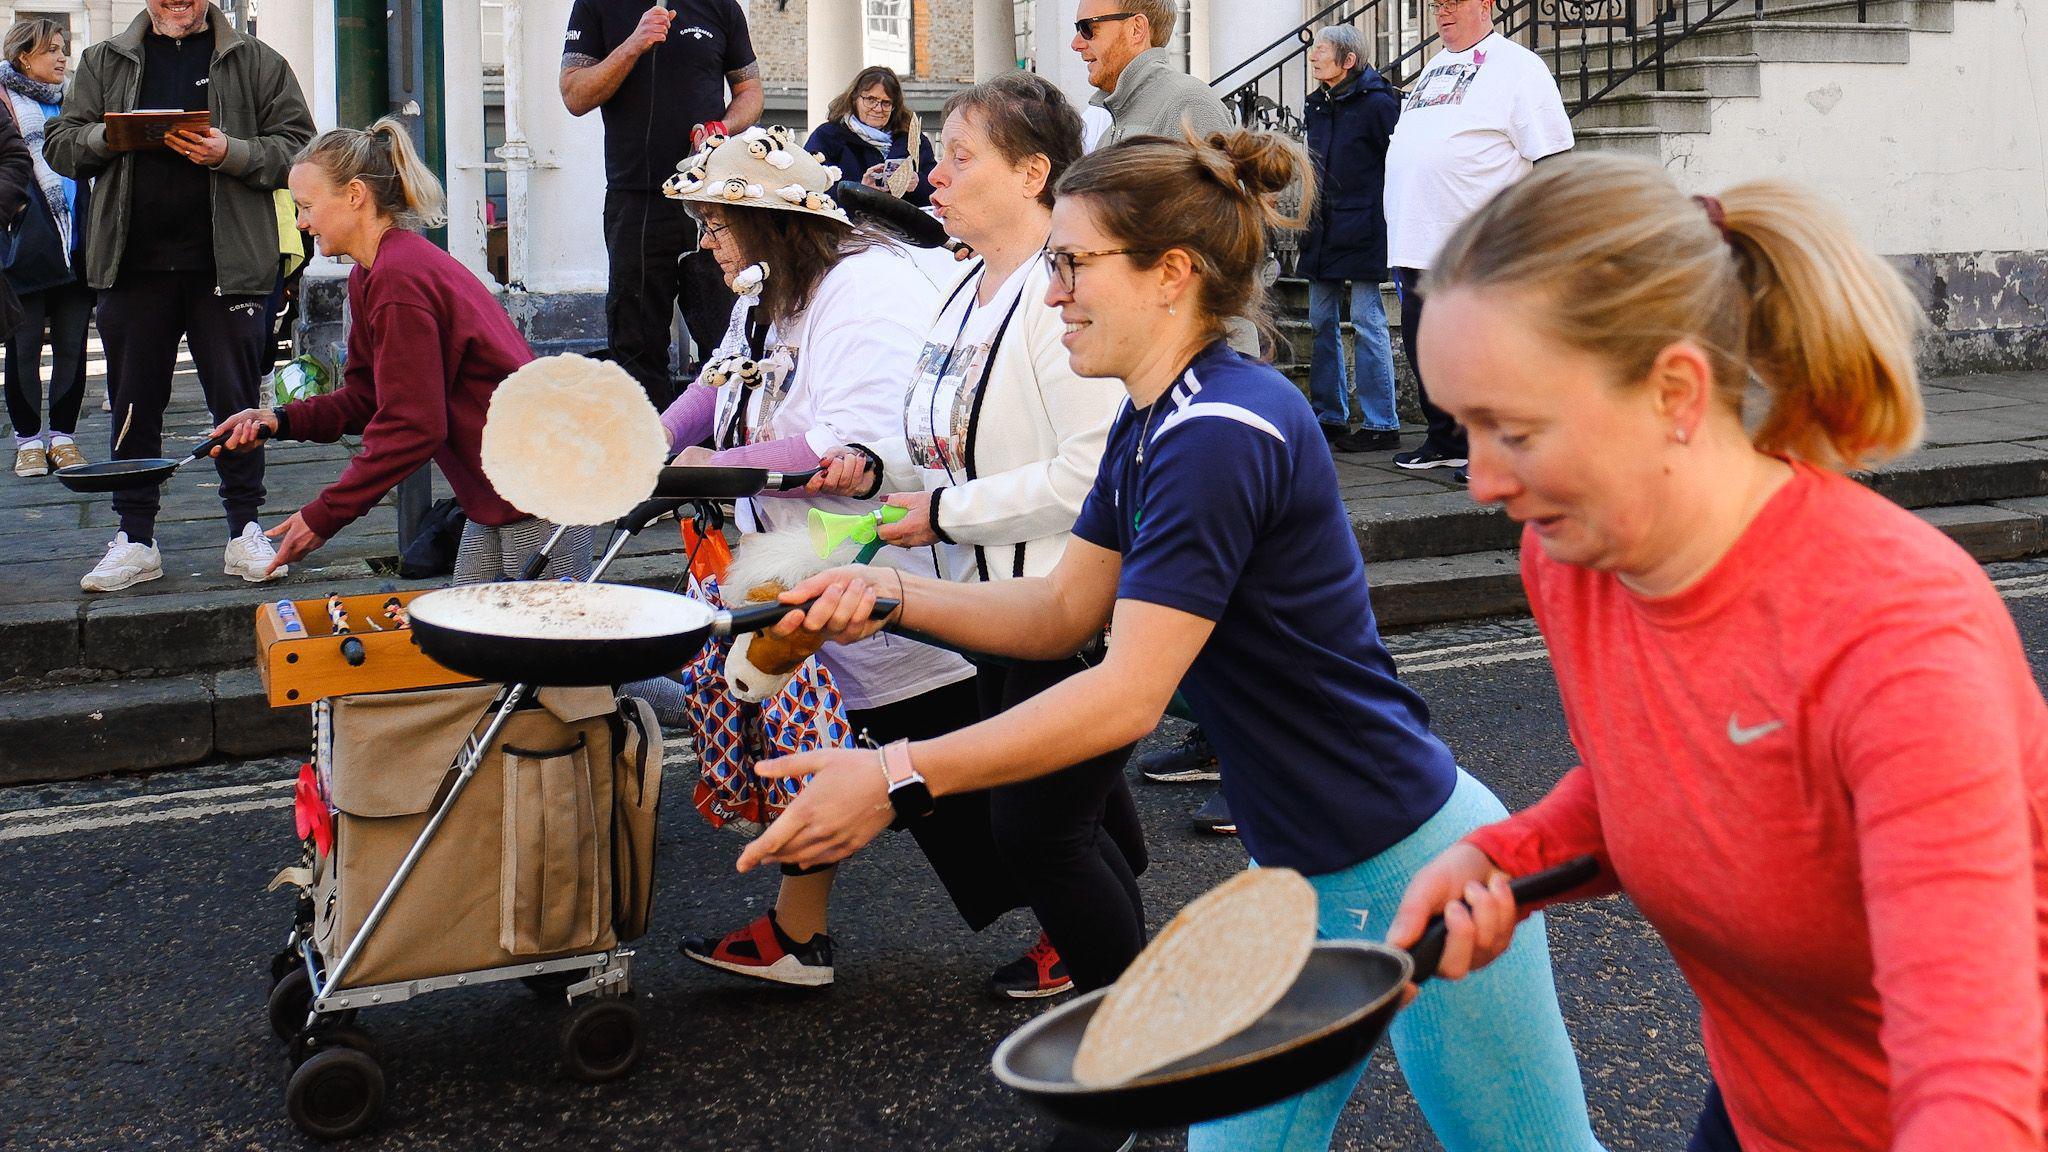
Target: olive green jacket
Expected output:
[255,102]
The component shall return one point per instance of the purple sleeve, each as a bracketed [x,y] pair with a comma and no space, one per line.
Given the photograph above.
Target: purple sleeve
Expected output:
[688,420]
[790,454]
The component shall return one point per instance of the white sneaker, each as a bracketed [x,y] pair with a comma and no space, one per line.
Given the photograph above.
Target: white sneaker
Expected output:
[124,566]
[249,554]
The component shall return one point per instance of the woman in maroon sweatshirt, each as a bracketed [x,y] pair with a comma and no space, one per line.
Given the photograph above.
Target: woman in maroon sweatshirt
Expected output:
[426,347]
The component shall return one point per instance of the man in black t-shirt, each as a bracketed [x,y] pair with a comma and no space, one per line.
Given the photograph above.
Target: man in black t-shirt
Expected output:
[660,72]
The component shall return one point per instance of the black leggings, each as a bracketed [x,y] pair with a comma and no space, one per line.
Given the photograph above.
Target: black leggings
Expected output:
[67,310]
[1444,434]
[1067,845]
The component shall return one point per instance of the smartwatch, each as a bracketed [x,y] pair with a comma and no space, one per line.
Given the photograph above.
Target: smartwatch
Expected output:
[908,793]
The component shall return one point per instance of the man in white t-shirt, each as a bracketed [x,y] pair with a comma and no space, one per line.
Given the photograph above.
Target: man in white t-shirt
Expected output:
[1483,112]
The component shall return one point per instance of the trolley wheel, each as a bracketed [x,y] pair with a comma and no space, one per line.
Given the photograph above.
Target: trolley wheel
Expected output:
[601,1040]
[282,964]
[324,1036]
[335,1093]
[554,985]
[291,999]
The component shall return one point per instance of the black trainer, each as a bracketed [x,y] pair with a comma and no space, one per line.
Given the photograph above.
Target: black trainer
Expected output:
[1361,440]
[1214,817]
[1191,761]
[1428,456]
[1033,976]
[1462,475]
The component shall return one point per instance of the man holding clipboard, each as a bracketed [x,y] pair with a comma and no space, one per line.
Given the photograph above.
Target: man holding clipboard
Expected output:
[182,243]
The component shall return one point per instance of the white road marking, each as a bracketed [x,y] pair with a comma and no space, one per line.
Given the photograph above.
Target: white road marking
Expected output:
[65,825]
[201,803]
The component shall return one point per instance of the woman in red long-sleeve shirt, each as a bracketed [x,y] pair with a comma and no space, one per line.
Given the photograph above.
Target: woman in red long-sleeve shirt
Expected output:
[427,345]
[1812,750]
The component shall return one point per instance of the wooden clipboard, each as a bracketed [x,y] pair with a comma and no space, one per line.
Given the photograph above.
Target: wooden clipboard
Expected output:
[145,129]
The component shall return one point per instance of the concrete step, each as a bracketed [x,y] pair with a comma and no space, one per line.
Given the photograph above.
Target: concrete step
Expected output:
[1804,41]
[1664,111]
[1645,142]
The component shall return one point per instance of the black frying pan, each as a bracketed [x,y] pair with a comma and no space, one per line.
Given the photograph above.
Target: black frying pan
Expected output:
[899,216]
[707,482]
[146,472]
[1334,1014]
[573,634]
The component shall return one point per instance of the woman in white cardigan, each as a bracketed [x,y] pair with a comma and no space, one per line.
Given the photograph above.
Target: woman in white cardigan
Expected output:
[1000,446]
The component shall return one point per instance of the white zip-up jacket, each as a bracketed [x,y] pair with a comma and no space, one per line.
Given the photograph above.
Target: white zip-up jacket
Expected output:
[1034,434]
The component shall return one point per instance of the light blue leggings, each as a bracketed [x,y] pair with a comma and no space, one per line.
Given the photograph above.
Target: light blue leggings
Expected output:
[1486,1057]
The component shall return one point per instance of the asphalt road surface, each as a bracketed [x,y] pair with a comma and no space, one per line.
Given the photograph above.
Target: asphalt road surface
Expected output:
[134,934]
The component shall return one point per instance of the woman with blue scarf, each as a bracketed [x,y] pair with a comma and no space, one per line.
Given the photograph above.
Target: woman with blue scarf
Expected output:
[45,270]
[869,124]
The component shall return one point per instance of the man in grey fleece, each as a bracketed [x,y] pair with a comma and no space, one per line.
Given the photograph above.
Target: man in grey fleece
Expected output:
[1123,43]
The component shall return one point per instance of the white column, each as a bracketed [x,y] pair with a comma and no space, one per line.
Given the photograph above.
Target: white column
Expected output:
[1201,58]
[1053,33]
[565,203]
[288,26]
[835,40]
[462,110]
[1240,31]
[995,38]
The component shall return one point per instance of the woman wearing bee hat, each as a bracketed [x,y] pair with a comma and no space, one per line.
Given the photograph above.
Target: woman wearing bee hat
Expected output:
[828,327]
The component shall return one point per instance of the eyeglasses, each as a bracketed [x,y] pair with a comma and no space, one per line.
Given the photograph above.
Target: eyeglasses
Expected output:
[1086,27]
[1065,264]
[879,103]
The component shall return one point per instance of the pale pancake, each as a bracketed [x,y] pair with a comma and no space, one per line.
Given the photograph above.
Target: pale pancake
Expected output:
[573,440]
[1219,966]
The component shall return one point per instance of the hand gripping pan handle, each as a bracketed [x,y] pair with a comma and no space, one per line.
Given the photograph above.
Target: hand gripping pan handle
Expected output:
[1428,951]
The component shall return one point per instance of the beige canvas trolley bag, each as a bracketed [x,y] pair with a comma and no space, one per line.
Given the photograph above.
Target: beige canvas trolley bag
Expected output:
[549,851]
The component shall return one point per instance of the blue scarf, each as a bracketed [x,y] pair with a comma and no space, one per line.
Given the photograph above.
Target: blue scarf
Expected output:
[28,115]
[879,137]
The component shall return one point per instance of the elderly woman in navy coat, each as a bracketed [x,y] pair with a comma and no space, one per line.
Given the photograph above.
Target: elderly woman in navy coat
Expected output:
[1350,119]
[868,124]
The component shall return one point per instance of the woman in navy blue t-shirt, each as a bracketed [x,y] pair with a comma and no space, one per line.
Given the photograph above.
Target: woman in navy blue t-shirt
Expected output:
[1216,546]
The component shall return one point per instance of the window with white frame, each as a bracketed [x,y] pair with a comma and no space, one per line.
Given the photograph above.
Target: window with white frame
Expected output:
[888,33]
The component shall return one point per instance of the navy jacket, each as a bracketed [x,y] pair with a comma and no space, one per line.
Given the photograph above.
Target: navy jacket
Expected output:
[1348,130]
[854,155]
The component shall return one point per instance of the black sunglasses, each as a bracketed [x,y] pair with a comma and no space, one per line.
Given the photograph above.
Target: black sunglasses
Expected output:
[1086,27]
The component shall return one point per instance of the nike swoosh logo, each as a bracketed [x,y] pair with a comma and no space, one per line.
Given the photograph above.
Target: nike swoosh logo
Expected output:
[1739,736]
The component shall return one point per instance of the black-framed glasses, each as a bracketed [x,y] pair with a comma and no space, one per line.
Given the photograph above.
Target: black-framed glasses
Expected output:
[880,103]
[1085,27]
[1065,264]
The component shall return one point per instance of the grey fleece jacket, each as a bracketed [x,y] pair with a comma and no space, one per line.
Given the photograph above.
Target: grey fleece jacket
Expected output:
[1154,98]
[256,103]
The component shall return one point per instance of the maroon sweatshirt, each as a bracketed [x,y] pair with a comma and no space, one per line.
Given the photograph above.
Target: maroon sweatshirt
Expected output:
[427,345]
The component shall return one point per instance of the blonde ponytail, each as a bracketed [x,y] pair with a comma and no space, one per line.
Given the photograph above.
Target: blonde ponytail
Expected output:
[1620,264]
[1830,331]
[382,157]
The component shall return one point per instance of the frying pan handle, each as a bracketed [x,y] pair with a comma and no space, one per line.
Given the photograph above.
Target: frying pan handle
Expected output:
[755,617]
[1428,951]
[787,481]
[647,512]
[207,446]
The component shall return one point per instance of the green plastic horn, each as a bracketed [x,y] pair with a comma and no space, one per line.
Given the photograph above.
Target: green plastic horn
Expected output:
[831,529]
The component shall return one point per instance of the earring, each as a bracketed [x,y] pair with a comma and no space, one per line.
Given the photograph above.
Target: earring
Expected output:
[1171,311]
[1680,435]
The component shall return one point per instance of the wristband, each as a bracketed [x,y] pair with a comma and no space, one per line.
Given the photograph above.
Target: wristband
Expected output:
[908,792]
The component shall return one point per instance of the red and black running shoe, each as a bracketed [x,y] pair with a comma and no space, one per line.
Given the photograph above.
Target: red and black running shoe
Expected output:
[1032,976]
[762,951]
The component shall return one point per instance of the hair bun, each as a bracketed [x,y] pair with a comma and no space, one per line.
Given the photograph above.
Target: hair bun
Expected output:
[1263,163]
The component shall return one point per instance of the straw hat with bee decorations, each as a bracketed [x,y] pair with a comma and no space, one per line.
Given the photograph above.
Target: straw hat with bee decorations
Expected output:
[759,168]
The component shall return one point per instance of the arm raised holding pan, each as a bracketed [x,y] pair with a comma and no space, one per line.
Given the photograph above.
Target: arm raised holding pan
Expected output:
[1215,546]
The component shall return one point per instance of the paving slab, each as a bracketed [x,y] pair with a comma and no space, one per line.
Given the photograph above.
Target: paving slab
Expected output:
[1435,589]
[1989,533]
[37,638]
[1963,474]
[244,723]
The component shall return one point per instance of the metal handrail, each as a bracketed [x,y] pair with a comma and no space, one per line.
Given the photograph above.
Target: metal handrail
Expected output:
[1635,37]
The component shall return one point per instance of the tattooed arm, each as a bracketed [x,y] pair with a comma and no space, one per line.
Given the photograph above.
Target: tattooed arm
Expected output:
[747,97]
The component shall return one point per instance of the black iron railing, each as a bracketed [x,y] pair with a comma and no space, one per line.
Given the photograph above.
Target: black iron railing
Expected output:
[1593,47]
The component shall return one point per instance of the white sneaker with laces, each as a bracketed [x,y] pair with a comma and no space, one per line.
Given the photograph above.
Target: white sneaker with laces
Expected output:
[124,566]
[249,554]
